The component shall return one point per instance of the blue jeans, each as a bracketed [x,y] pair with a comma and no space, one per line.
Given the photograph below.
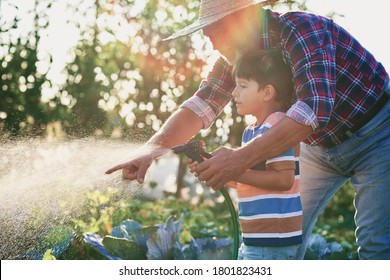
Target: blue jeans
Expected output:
[365,160]
[267,253]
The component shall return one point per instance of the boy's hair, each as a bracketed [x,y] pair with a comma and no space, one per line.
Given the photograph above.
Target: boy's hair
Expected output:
[266,67]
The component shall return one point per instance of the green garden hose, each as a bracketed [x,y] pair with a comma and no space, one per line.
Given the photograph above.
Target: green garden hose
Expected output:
[194,150]
[235,223]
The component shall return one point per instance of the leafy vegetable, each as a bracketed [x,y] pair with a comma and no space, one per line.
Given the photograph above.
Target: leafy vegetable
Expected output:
[160,242]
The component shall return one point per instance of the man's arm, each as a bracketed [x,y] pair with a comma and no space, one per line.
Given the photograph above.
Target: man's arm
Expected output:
[178,129]
[227,164]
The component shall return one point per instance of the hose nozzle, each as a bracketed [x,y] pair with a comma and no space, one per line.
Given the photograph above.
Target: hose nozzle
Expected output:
[193,149]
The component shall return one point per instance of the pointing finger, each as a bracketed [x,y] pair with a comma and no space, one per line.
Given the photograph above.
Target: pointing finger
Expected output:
[115,168]
[141,173]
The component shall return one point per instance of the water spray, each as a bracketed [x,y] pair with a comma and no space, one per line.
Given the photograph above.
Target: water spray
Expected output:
[44,185]
[194,149]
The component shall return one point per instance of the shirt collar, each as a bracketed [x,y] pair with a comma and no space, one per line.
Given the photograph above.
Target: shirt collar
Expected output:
[270,29]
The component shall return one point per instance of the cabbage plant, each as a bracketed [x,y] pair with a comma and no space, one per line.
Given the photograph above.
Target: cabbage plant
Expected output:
[131,241]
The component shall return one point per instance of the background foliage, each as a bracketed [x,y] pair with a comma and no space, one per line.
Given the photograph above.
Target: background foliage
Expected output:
[119,79]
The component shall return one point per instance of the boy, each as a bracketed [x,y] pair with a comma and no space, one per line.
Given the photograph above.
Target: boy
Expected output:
[269,203]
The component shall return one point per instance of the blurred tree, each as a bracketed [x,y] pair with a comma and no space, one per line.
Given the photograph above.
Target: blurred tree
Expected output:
[83,83]
[21,110]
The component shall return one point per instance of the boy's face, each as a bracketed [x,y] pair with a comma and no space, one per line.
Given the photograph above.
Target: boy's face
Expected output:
[249,98]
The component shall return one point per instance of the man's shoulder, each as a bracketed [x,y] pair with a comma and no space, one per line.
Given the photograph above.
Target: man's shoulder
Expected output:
[300,19]
[296,16]
[274,118]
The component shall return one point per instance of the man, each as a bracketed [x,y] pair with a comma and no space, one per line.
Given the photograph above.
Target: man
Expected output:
[341,114]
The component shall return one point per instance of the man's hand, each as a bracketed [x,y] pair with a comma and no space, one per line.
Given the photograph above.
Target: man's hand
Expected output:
[134,169]
[222,168]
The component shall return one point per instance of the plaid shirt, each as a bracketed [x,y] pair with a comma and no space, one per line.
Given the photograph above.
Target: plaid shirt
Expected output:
[336,80]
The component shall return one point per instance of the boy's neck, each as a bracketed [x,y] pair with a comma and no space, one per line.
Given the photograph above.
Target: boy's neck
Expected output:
[261,116]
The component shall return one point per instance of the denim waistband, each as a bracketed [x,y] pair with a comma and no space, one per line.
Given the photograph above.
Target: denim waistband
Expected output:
[383,100]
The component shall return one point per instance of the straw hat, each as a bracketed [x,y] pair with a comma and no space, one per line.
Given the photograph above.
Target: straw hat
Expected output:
[211,11]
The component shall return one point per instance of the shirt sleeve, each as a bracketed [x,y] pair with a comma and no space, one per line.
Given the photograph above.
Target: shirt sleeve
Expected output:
[310,51]
[213,94]
[283,157]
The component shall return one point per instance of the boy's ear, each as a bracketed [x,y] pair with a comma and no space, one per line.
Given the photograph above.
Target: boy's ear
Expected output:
[269,92]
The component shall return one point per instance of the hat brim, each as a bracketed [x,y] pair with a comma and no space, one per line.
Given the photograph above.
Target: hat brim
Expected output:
[200,24]
[196,26]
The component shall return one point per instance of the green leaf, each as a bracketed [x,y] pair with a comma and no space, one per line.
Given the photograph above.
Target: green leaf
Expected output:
[212,249]
[125,229]
[96,241]
[141,236]
[48,255]
[317,246]
[174,227]
[124,248]
[160,245]
[56,239]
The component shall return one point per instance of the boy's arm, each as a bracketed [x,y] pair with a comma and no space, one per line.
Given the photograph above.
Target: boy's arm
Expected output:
[278,176]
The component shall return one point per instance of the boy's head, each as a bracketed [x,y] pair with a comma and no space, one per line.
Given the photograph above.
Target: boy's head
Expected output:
[263,73]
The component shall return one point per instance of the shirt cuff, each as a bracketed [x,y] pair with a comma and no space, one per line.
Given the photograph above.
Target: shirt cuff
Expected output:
[302,113]
[201,109]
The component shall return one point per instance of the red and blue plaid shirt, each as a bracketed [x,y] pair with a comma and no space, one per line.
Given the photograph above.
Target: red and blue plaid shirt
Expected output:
[336,80]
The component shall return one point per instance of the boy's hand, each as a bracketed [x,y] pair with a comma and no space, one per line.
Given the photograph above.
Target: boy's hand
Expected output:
[192,166]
